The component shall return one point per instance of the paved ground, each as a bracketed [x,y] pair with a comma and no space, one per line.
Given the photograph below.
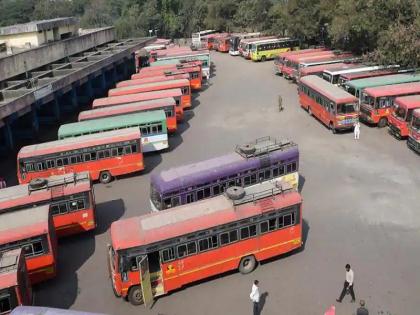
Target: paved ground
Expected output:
[361,204]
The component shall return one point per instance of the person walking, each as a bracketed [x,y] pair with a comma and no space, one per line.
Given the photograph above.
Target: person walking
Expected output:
[357,130]
[362,310]
[255,298]
[348,285]
[280,103]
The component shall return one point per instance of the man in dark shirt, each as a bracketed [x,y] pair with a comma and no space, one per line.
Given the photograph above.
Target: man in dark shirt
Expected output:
[362,310]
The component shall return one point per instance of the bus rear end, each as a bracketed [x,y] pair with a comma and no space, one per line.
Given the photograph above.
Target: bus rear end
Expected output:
[413,140]
[402,115]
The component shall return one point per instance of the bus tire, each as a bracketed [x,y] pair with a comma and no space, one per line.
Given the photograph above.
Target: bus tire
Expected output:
[263,58]
[235,192]
[309,111]
[247,264]
[334,131]
[135,296]
[105,177]
[382,122]
[247,148]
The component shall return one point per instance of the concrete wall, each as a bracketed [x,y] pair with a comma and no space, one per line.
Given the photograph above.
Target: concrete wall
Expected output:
[16,64]
[20,40]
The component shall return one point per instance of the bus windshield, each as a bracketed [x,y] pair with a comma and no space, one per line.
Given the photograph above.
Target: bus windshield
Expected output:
[400,112]
[369,100]
[346,108]
[253,47]
[416,123]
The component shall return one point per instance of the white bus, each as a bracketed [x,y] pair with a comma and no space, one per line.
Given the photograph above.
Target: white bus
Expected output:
[333,76]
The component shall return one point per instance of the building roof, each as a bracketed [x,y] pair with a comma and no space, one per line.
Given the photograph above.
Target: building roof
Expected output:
[412,101]
[78,142]
[36,26]
[383,80]
[110,123]
[146,87]
[327,89]
[131,98]
[126,109]
[198,216]
[393,89]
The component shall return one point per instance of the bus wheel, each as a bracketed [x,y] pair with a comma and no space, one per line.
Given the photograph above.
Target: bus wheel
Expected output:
[382,122]
[263,58]
[309,111]
[334,131]
[135,295]
[247,264]
[105,177]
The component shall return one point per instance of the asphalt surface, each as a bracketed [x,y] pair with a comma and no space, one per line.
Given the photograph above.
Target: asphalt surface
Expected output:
[361,205]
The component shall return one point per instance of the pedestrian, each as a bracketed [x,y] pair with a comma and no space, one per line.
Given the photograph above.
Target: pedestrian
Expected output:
[280,103]
[2,183]
[356,130]
[348,285]
[255,297]
[362,310]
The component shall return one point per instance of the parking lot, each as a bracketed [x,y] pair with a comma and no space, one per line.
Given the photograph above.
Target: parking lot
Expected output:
[361,205]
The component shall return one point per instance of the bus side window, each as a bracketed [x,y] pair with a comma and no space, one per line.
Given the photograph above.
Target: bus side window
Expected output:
[216,190]
[294,167]
[50,163]
[190,197]
[182,250]
[167,254]
[289,168]
[253,178]
[281,170]
[134,148]
[200,194]
[5,304]
[175,201]
[191,248]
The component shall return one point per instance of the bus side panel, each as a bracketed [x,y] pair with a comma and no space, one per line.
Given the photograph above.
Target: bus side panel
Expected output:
[186,101]
[41,268]
[74,222]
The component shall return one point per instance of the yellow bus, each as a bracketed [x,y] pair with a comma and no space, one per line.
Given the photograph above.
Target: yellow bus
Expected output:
[271,48]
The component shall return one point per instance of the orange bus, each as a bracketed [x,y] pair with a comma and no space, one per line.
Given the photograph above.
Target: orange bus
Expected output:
[402,115]
[223,43]
[32,230]
[157,78]
[15,288]
[378,102]
[281,59]
[182,84]
[159,252]
[70,196]
[413,140]
[333,106]
[103,155]
[168,105]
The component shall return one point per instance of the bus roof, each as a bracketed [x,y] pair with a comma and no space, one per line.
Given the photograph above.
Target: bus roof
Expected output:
[302,52]
[412,101]
[109,123]
[359,68]
[21,195]
[323,67]
[327,89]
[131,98]
[9,264]
[201,215]
[23,224]
[79,142]
[393,89]
[383,80]
[317,54]
[158,78]
[256,39]
[146,87]
[308,62]
[126,109]
[218,167]
[185,54]
[41,310]
[266,41]
[367,74]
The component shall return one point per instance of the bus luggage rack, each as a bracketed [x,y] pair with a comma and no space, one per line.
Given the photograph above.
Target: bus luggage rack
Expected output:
[281,187]
[263,146]
[51,182]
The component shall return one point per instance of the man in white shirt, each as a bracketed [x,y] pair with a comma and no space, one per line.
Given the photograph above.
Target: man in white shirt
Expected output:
[255,297]
[348,285]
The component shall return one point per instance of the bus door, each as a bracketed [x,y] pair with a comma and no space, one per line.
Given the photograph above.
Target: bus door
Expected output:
[146,285]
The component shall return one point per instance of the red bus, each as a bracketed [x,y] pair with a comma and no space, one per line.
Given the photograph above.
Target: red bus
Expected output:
[156,253]
[318,70]
[157,78]
[333,106]
[413,140]
[168,105]
[32,230]
[378,102]
[156,67]
[281,59]
[15,288]
[402,115]
[70,196]
[103,155]
[291,62]
[223,43]
[182,84]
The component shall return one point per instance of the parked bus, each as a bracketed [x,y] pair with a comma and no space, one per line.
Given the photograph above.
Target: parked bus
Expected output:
[157,253]
[343,78]
[182,84]
[141,97]
[377,102]
[41,310]
[245,45]
[32,230]
[280,60]
[402,115]
[262,51]
[291,62]
[168,105]
[15,288]
[355,87]
[154,133]
[223,43]
[197,37]
[103,155]
[156,78]
[319,69]
[334,107]
[413,140]
[332,76]
[70,197]
[235,41]
[265,159]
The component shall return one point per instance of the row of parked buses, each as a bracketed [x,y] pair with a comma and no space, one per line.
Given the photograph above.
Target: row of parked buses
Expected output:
[229,212]
[55,196]
[338,89]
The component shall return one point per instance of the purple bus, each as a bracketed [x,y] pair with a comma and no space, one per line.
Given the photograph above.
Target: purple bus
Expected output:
[252,163]
[38,310]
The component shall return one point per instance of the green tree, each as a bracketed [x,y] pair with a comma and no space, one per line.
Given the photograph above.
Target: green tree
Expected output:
[15,11]
[279,19]
[304,20]
[253,15]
